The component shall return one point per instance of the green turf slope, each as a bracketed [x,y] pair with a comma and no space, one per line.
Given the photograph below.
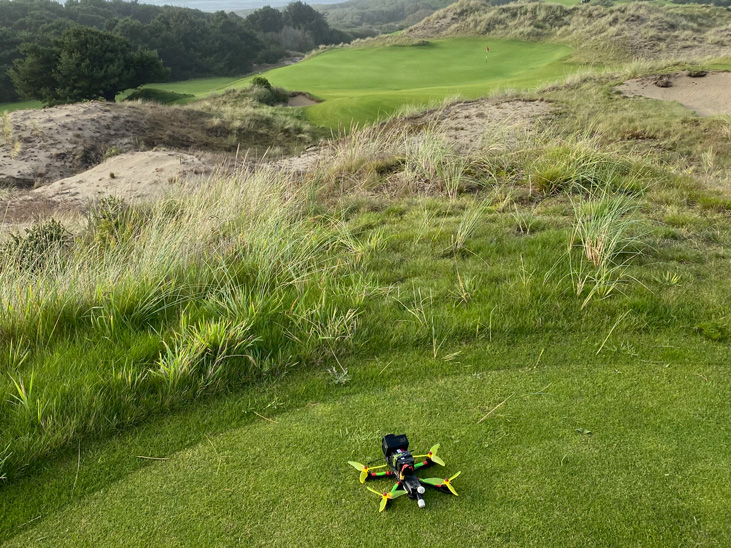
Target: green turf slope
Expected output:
[604,426]
[646,475]
[361,84]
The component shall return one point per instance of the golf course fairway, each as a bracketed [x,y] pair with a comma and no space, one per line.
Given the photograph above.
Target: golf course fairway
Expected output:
[363,84]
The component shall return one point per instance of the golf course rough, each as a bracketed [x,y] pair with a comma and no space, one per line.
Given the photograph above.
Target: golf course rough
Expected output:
[360,85]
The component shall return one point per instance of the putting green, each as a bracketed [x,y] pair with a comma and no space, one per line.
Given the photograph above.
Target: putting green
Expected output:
[363,84]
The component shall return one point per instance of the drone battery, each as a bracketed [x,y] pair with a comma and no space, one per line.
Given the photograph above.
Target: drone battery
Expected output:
[392,443]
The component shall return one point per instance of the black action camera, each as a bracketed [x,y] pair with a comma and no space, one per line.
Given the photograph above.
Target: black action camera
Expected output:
[392,443]
[401,462]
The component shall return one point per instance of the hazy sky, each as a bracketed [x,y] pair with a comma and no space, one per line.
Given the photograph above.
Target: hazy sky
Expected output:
[231,5]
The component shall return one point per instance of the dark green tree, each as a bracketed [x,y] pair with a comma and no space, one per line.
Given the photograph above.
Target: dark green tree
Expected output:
[266,19]
[304,17]
[33,73]
[84,64]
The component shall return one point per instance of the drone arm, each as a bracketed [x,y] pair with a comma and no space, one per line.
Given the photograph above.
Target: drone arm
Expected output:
[384,474]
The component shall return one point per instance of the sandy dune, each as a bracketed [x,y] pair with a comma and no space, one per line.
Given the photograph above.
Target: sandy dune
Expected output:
[471,124]
[44,145]
[466,125]
[707,96]
[135,176]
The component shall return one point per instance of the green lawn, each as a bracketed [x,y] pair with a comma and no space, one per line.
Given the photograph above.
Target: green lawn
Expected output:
[19,105]
[363,84]
[199,87]
[652,472]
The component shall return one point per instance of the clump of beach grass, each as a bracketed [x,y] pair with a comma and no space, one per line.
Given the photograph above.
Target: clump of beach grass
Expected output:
[184,298]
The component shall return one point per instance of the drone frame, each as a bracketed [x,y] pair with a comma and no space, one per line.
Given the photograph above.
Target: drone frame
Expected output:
[440,484]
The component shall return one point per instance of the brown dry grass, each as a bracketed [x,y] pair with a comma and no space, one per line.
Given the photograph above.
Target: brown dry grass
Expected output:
[633,30]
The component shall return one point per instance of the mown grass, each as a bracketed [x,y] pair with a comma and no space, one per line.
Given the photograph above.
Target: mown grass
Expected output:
[528,477]
[157,96]
[356,89]
[19,105]
[197,87]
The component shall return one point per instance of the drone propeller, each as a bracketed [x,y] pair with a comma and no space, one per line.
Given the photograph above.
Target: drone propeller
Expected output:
[385,497]
[363,469]
[432,455]
[439,483]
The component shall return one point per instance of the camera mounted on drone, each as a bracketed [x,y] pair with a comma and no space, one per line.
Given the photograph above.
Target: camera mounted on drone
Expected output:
[402,466]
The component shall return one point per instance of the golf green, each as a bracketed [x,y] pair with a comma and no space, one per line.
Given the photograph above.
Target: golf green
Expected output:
[362,84]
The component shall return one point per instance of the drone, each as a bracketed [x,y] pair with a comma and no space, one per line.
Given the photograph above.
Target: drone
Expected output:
[402,466]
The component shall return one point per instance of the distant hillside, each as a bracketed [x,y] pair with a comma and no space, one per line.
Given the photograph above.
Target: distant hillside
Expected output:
[376,16]
[636,30]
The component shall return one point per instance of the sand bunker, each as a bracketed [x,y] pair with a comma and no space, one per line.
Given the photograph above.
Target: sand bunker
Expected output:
[707,95]
[300,100]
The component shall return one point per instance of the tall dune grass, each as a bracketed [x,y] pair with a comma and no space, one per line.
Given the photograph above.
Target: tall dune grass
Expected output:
[166,303]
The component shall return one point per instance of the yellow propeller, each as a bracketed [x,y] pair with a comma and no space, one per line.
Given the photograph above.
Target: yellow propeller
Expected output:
[385,497]
[439,483]
[448,483]
[363,469]
[432,455]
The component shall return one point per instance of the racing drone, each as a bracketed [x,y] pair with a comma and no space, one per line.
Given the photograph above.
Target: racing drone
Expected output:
[402,465]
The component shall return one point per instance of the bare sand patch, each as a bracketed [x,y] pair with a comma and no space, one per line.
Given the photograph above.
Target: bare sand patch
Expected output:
[135,177]
[466,125]
[300,100]
[707,96]
[470,125]
[44,145]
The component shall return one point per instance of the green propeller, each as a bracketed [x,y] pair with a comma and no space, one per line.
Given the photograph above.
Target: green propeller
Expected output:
[432,455]
[363,469]
[385,497]
[439,482]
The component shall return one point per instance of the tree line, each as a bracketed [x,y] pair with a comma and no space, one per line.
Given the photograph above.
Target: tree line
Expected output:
[85,49]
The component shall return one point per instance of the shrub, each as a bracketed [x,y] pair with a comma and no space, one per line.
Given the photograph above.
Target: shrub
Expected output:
[269,95]
[41,244]
[260,82]
[111,222]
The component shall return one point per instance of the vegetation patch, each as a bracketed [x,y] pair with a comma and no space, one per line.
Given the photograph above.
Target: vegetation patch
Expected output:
[153,95]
